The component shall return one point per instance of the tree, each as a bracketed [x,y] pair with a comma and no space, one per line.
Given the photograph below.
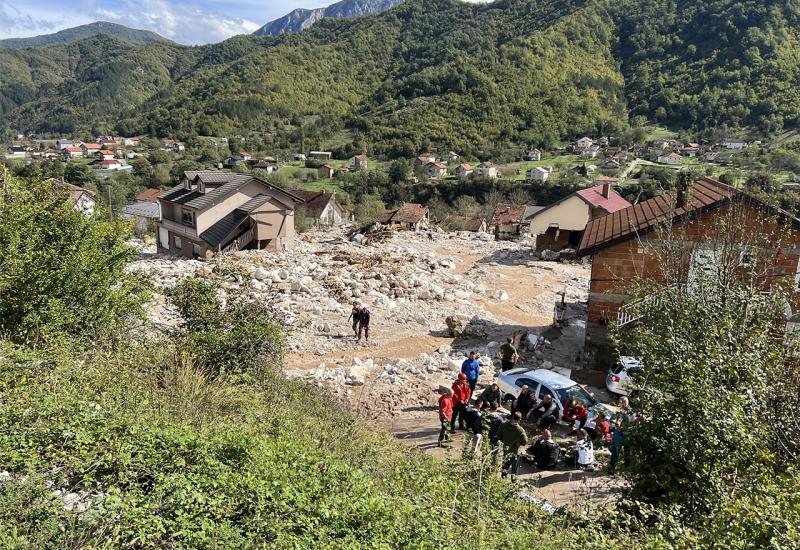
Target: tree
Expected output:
[368,208]
[398,171]
[61,272]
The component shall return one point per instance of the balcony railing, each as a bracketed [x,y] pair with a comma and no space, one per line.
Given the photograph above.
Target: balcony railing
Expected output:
[633,311]
[240,242]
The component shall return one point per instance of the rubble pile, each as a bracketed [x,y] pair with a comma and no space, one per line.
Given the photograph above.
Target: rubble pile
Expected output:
[419,288]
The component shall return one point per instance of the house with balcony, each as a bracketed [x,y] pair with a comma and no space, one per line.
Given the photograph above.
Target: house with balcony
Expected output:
[211,211]
[623,247]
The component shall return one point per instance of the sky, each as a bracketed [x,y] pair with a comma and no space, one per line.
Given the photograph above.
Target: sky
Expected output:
[184,21]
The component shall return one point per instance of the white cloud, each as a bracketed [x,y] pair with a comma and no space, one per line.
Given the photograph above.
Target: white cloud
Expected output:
[185,23]
[13,22]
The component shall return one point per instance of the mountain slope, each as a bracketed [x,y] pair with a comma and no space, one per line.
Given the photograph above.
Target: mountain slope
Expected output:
[67,36]
[301,18]
[474,77]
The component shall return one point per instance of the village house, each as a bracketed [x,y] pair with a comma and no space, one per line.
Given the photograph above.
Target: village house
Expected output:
[487,170]
[110,164]
[691,150]
[610,166]
[435,170]
[621,246]
[534,155]
[733,144]
[584,143]
[63,143]
[409,217]
[103,154]
[358,162]
[560,226]
[326,171]
[149,195]
[299,157]
[590,152]
[135,141]
[245,156]
[322,209]
[424,159]
[144,214]
[464,170]
[211,211]
[452,156]
[512,221]
[82,200]
[172,145]
[601,180]
[538,174]
[89,149]
[321,155]
[107,142]
[71,152]
[673,159]
[16,151]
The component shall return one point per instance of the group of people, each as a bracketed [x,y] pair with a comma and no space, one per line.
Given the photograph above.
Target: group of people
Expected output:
[360,316]
[456,411]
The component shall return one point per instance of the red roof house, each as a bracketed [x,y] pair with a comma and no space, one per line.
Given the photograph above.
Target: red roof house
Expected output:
[621,245]
[149,195]
[560,225]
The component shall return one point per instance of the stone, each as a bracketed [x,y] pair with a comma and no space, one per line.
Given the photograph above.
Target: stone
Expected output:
[550,255]
[261,274]
[501,295]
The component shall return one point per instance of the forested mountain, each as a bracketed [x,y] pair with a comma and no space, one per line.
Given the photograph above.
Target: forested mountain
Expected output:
[301,18]
[67,36]
[444,72]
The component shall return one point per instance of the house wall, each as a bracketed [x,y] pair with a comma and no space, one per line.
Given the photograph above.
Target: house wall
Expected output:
[213,214]
[274,225]
[614,269]
[572,215]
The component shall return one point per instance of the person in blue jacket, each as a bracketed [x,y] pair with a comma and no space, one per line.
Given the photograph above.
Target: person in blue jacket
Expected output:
[472,369]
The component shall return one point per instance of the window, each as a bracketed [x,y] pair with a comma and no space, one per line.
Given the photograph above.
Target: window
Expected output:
[187,218]
[178,243]
[544,390]
[566,395]
[526,382]
[201,186]
[747,257]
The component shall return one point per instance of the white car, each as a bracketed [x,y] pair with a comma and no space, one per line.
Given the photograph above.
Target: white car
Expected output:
[546,382]
[618,380]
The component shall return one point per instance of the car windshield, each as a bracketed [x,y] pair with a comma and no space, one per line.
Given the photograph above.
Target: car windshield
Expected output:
[566,395]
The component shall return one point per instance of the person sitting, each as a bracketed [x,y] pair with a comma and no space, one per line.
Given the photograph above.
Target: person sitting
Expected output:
[474,422]
[494,421]
[545,412]
[584,451]
[601,433]
[545,451]
[576,411]
[489,396]
[524,402]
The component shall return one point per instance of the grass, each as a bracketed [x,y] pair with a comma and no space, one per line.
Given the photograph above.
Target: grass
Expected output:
[560,165]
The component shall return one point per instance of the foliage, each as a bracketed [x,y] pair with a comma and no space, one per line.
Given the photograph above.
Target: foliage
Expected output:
[61,271]
[715,369]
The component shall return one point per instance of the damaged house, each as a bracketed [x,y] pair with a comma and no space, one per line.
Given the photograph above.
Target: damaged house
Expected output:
[322,209]
[410,217]
[511,221]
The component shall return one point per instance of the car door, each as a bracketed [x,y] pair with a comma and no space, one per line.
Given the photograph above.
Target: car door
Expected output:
[532,384]
[545,390]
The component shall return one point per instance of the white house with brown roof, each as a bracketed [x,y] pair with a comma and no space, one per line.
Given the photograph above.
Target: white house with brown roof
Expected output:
[436,170]
[538,174]
[487,170]
[210,212]
[322,209]
[89,149]
[673,159]
[464,170]
[358,162]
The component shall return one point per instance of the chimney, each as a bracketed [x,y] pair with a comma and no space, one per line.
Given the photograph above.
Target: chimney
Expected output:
[606,192]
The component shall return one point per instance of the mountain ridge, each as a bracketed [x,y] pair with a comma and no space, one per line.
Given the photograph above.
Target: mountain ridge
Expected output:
[73,34]
[302,18]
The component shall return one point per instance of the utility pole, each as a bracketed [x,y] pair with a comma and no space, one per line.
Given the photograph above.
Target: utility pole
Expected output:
[110,209]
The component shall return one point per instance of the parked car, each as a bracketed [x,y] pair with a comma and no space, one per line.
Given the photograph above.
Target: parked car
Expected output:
[619,380]
[546,382]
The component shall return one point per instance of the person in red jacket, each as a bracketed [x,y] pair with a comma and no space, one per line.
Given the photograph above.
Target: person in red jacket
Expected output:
[445,415]
[576,411]
[461,396]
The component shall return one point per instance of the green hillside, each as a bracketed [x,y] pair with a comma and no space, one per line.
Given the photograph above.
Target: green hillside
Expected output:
[475,76]
[67,36]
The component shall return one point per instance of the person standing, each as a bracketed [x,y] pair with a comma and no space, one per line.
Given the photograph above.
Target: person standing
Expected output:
[355,315]
[508,355]
[584,451]
[445,415]
[363,323]
[513,437]
[472,369]
[461,396]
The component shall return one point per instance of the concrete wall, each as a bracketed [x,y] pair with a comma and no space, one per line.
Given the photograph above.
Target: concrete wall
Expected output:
[572,215]
[274,225]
